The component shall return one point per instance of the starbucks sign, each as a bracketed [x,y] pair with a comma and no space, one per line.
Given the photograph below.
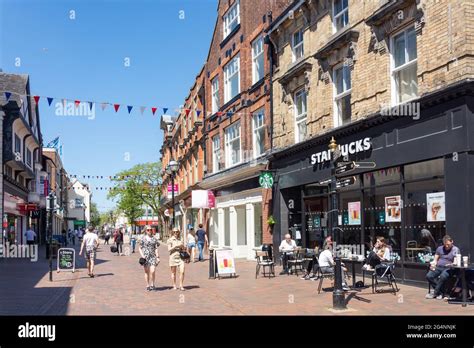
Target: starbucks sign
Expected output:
[266,180]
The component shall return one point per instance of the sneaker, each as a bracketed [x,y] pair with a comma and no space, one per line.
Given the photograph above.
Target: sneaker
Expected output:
[430,296]
[439,297]
[148,288]
[345,288]
[152,288]
[305,277]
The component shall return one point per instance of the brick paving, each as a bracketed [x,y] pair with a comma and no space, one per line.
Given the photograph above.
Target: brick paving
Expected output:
[119,289]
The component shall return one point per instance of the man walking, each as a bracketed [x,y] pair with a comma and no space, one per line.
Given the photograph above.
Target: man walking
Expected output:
[90,241]
[201,241]
[30,236]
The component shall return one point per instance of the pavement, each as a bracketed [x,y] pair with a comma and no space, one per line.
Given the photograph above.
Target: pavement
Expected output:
[119,289]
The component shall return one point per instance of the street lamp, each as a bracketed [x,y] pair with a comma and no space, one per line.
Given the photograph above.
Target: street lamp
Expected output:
[338,297]
[171,170]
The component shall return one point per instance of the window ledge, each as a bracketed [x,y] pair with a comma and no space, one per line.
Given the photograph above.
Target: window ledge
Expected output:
[339,39]
[256,85]
[230,102]
[230,36]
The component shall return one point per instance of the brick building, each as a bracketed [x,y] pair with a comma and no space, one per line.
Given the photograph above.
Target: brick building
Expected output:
[350,70]
[184,143]
[238,124]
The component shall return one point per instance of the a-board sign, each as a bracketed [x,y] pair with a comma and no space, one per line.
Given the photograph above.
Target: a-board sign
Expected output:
[66,259]
[225,261]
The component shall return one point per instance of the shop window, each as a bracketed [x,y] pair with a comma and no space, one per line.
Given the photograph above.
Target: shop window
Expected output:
[425,216]
[227,227]
[382,177]
[383,216]
[313,190]
[241,213]
[350,209]
[424,170]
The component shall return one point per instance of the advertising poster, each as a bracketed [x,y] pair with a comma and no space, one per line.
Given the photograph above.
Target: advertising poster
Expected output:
[225,262]
[354,213]
[393,209]
[436,208]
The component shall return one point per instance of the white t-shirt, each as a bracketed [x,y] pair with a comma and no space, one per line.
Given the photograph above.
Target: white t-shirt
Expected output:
[191,239]
[386,255]
[89,239]
[30,235]
[325,259]
[285,246]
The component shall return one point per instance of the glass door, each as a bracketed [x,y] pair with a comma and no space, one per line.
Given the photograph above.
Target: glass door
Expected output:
[316,217]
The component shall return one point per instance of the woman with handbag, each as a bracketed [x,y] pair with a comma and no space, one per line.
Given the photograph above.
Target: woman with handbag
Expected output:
[150,257]
[178,253]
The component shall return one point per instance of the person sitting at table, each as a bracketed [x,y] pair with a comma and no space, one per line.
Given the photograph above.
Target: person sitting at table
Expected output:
[381,252]
[309,271]
[326,265]
[287,247]
[439,273]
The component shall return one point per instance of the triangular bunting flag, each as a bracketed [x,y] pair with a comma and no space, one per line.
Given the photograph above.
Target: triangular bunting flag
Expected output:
[164,110]
[116,107]
[91,104]
[8,95]
[229,114]
[219,113]
[129,108]
[142,109]
[187,111]
[76,103]
[50,100]
[198,112]
[103,106]
[153,110]
[36,98]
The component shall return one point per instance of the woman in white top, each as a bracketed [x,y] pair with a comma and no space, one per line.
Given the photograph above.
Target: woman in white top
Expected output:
[381,252]
[191,243]
[326,265]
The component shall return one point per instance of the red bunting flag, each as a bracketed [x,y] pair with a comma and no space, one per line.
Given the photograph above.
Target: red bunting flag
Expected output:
[153,110]
[116,107]
[37,98]
[187,111]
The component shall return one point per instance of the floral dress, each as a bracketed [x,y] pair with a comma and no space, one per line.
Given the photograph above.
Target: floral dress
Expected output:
[149,246]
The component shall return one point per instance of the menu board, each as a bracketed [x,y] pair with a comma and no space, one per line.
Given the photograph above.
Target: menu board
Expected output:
[225,261]
[66,259]
[393,209]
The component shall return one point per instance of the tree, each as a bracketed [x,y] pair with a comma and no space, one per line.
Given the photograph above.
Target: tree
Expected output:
[141,183]
[130,204]
[95,215]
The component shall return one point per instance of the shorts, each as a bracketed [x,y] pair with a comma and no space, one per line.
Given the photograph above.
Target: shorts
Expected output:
[191,245]
[90,254]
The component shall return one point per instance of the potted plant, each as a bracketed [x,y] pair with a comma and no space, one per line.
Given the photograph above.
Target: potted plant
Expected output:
[271,221]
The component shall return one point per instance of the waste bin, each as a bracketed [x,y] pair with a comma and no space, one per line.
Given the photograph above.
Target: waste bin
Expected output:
[269,249]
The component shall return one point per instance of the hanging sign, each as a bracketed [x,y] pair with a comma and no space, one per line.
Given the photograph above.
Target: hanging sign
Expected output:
[266,180]
[345,150]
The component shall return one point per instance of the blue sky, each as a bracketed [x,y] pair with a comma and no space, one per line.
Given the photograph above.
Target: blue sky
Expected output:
[85,58]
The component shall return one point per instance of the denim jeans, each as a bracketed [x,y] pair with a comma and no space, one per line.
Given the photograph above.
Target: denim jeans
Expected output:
[438,284]
[201,248]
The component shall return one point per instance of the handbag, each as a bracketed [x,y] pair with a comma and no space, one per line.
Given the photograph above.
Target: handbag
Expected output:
[113,249]
[141,261]
[184,255]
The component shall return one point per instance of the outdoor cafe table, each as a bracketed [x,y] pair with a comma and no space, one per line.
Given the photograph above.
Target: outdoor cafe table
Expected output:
[352,261]
[465,289]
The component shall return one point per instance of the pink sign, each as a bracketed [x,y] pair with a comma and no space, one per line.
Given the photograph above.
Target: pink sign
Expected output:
[170,190]
[211,199]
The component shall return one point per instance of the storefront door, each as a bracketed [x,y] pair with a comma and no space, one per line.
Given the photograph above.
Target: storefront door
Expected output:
[316,221]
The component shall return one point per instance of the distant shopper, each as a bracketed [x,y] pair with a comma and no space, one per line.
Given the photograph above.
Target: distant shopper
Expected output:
[90,242]
[175,246]
[72,236]
[64,235]
[30,236]
[439,273]
[80,234]
[148,249]
[191,243]
[133,239]
[107,237]
[118,239]
[201,241]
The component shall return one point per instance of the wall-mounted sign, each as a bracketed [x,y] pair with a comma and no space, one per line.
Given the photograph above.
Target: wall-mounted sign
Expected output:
[203,199]
[170,190]
[346,149]
[435,207]
[266,180]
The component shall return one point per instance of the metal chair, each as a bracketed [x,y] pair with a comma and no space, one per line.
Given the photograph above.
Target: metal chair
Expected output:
[296,262]
[387,273]
[263,260]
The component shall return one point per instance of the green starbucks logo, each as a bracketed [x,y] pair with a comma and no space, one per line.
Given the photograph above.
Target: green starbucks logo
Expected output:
[266,180]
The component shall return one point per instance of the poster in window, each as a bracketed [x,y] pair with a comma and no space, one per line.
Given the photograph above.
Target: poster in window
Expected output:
[354,213]
[393,209]
[436,208]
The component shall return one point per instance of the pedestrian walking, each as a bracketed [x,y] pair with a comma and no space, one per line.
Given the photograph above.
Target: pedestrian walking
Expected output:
[64,234]
[191,243]
[148,249]
[133,240]
[118,239]
[107,237]
[175,247]
[90,242]
[72,236]
[201,241]
[30,236]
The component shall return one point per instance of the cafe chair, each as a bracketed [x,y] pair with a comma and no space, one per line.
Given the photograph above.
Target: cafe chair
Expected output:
[411,244]
[383,271]
[265,262]
[296,262]
[321,277]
